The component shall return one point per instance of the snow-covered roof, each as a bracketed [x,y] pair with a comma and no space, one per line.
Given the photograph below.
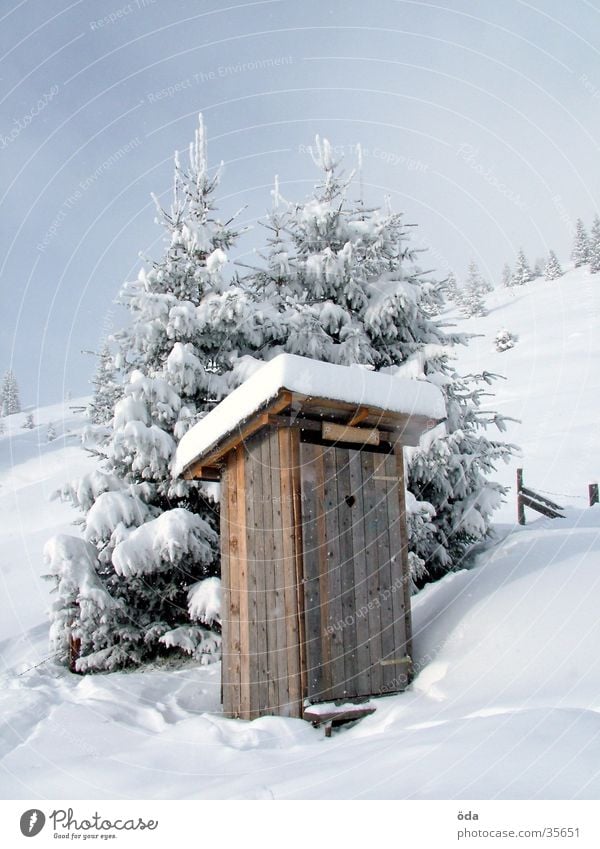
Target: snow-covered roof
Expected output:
[348,384]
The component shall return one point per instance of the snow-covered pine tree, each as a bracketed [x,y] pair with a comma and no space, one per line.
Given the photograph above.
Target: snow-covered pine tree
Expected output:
[149,541]
[50,432]
[538,268]
[472,301]
[451,287]
[580,254]
[353,288]
[507,275]
[522,273]
[594,253]
[451,469]
[107,389]
[552,269]
[10,402]
[352,292]
[476,279]
[29,423]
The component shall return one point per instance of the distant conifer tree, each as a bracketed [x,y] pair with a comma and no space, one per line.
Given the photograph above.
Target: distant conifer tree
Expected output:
[580,253]
[552,269]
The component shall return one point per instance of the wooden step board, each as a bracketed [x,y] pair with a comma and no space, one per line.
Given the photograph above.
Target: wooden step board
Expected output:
[332,713]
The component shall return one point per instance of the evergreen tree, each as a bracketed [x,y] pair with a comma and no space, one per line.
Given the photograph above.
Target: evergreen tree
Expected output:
[450,470]
[451,287]
[28,424]
[354,290]
[472,296]
[472,303]
[580,253]
[476,279]
[507,275]
[107,390]
[552,269]
[522,273]
[354,295]
[10,403]
[150,541]
[2,427]
[538,268]
[595,246]
[51,432]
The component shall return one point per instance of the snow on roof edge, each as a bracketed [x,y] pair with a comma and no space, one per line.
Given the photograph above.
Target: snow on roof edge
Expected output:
[349,384]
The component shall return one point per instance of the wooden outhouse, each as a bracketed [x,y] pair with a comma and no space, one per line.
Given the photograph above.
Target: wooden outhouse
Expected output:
[316,595]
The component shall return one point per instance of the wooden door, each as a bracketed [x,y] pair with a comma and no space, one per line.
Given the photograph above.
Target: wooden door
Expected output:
[356,600]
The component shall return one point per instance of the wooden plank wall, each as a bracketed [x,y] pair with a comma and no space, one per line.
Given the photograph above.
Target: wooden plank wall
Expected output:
[261,621]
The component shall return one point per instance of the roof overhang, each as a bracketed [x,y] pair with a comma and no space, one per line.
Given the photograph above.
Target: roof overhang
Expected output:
[293,409]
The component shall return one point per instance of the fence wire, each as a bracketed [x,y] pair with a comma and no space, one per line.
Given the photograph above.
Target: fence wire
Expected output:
[35,666]
[560,494]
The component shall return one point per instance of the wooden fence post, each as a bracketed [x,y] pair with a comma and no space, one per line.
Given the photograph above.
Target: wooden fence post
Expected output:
[520,505]
[540,503]
[593,493]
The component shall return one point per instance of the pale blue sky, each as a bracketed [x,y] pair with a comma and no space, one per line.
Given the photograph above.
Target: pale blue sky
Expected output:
[480,119]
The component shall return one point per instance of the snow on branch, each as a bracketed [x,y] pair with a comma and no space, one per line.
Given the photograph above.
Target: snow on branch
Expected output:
[74,562]
[165,542]
[204,601]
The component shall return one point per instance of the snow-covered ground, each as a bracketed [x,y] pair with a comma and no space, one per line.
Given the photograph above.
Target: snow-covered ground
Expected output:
[506,703]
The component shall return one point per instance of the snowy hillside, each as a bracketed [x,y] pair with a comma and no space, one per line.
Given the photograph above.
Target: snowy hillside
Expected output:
[31,469]
[506,701]
[553,381]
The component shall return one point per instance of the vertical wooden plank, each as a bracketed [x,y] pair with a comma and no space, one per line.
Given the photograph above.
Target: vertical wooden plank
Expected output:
[399,579]
[388,647]
[346,507]
[226,659]
[312,504]
[227,614]
[323,571]
[273,606]
[373,586]
[293,707]
[255,625]
[360,572]
[280,578]
[399,453]
[239,544]
[331,583]
[297,510]
[256,495]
